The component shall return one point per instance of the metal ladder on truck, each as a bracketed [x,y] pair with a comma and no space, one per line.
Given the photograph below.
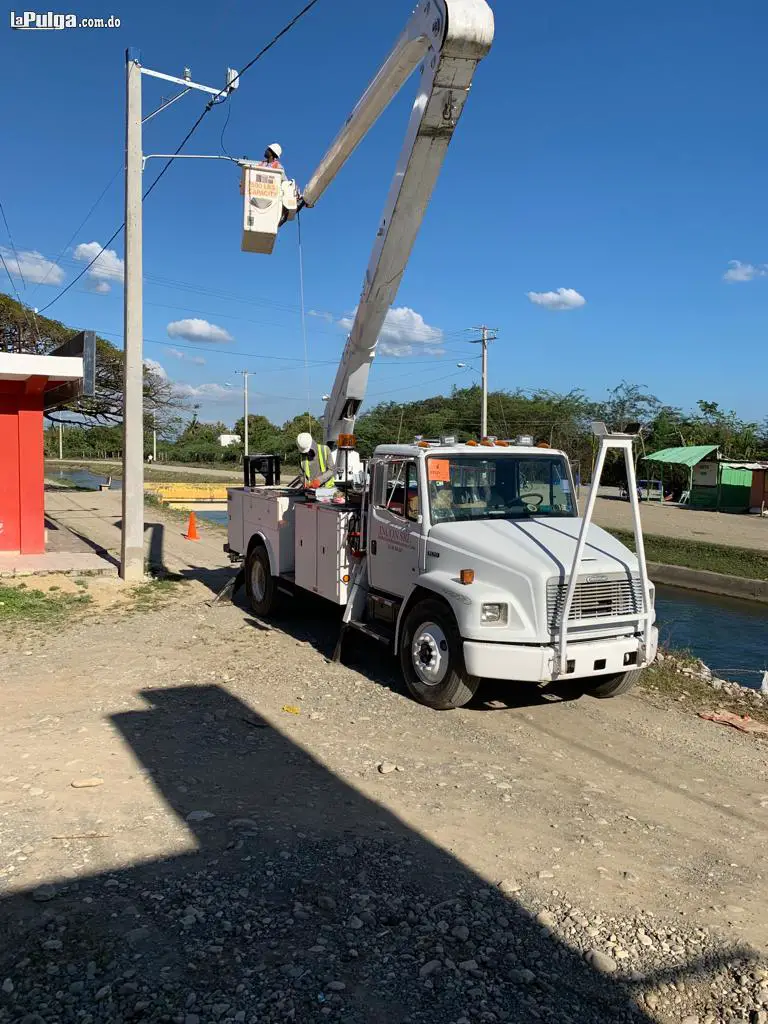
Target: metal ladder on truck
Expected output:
[619,442]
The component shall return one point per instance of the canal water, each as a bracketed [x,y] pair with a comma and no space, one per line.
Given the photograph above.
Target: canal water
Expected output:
[730,636]
[82,478]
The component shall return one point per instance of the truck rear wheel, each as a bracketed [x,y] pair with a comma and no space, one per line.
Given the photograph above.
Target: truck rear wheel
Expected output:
[431,658]
[615,685]
[259,582]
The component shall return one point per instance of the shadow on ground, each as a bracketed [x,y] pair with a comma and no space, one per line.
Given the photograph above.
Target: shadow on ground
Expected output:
[304,901]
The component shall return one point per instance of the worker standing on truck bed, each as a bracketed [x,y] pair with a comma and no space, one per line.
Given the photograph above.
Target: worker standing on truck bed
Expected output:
[317,465]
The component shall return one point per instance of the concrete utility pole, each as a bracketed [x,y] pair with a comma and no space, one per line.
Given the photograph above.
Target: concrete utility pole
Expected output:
[132,533]
[154,436]
[132,538]
[486,335]
[61,441]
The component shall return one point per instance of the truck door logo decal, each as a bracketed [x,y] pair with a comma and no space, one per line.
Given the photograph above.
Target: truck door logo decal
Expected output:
[396,537]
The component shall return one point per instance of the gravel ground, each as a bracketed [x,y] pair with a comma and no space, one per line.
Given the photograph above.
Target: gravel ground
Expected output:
[271,938]
[202,820]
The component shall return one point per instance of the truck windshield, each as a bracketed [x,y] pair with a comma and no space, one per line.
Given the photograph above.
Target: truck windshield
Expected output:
[497,487]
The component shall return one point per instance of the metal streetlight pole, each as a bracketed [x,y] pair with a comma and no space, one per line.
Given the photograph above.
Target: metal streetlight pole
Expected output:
[246,374]
[61,441]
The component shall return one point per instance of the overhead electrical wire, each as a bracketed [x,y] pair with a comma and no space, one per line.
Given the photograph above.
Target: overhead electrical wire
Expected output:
[222,352]
[13,246]
[13,283]
[78,229]
[451,340]
[206,109]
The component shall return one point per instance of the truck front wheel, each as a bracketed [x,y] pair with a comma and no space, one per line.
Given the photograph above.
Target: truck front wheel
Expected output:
[259,582]
[431,658]
[614,685]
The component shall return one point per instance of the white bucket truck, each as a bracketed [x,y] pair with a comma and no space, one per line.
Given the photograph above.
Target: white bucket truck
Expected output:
[470,560]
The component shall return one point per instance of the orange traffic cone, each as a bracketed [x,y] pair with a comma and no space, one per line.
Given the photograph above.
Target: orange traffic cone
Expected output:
[192,533]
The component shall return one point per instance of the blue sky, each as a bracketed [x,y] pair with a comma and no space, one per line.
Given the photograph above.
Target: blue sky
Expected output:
[618,151]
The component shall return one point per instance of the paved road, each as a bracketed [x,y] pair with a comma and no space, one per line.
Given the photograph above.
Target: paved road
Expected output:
[96,515]
[663,520]
[229,474]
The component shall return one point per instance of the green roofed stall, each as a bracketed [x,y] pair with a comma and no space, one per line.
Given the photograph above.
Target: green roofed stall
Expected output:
[712,483]
[689,456]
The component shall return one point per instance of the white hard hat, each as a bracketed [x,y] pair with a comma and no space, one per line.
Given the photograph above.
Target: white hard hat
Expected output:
[276,148]
[304,442]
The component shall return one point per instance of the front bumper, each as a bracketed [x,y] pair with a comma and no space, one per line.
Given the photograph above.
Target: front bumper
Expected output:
[537,664]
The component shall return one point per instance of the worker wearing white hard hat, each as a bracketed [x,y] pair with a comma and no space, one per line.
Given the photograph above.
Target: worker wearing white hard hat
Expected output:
[317,466]
[272,155]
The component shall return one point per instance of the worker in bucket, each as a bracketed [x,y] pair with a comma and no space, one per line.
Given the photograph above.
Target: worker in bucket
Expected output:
[272,155]
[317,465]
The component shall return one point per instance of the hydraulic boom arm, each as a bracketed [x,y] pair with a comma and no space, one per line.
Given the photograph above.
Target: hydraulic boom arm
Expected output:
[449,38]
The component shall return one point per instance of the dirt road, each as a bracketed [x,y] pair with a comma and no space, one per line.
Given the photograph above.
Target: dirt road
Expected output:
[684,523]
[235,829]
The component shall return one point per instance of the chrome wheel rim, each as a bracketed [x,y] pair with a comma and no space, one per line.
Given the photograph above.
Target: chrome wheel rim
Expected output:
[429,654]
[258,580]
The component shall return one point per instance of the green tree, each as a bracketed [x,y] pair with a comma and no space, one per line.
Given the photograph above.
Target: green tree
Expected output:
[23,330]
[264,438]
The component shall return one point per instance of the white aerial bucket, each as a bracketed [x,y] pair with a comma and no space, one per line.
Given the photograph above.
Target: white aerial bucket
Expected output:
[268,199]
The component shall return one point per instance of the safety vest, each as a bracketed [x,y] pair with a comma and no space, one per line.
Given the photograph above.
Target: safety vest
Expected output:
[321,461]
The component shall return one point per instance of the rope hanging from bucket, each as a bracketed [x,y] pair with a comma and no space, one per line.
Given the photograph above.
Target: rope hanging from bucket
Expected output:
[304,326]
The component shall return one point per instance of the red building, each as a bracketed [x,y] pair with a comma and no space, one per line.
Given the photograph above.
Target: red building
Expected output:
[29,384]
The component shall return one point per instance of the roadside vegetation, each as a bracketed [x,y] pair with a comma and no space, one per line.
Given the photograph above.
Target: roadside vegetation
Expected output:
[22,603]
[665,684]
[693,554]
[56,601]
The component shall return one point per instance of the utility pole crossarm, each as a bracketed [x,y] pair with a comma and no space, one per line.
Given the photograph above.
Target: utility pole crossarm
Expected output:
[449,38]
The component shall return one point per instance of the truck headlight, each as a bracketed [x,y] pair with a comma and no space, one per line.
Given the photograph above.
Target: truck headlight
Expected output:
[496,613]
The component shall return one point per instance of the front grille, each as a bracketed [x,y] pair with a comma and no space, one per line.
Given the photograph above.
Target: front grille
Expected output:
[594,598]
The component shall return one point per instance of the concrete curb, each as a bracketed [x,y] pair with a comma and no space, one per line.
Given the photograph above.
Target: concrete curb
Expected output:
[709,582]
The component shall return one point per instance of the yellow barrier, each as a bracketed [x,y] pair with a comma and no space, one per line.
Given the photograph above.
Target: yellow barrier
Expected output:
[188,492]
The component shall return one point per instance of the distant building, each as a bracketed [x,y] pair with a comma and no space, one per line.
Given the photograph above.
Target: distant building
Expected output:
[716,483]
[225,440]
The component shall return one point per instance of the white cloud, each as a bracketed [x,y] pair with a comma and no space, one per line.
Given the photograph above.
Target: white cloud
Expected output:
[563,298]
[33,267]
[321,314]
[738,271]
[155,367]
[404,333]
[207,392]
[107,269]
[185,357]
[203,392]
[194,329]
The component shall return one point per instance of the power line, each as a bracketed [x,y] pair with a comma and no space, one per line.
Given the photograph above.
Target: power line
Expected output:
[222,352]
[83,271]
[78,229]
[206,109]
[16,292]
[395,391]
[223,130]
[452,339]
[13,246]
